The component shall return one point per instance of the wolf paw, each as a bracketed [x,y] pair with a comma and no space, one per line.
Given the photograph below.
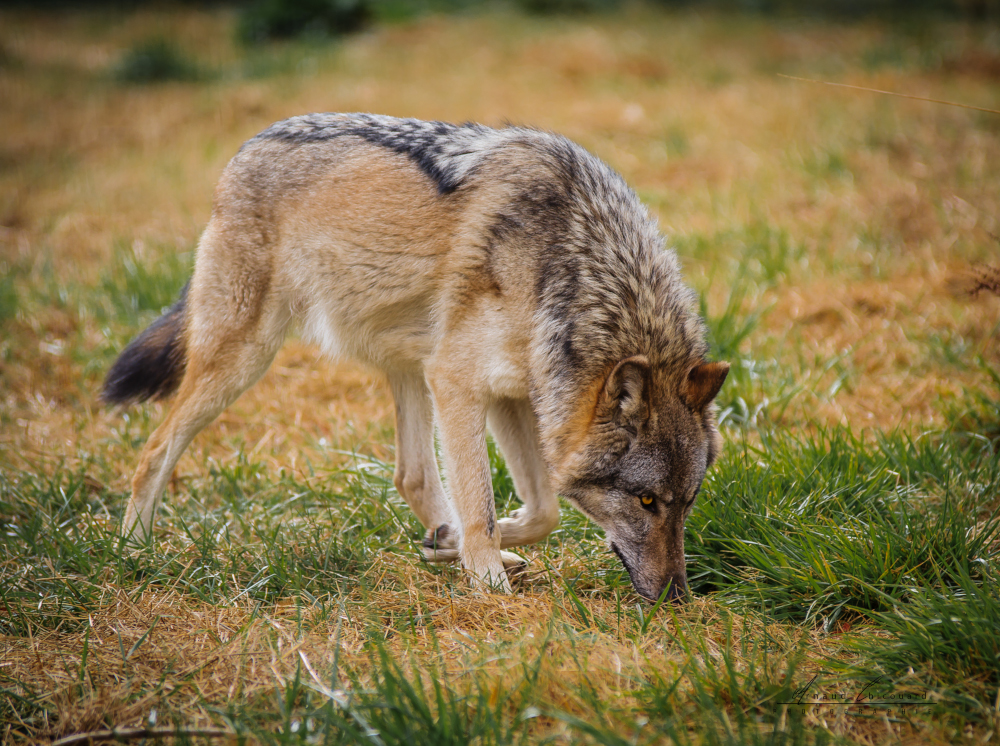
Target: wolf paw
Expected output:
[440,545]
[501,581]
[515,565]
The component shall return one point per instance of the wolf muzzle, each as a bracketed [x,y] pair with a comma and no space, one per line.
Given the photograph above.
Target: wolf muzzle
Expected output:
[674,584]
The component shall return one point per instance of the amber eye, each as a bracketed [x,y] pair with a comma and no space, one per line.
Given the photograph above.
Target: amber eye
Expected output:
[647,500]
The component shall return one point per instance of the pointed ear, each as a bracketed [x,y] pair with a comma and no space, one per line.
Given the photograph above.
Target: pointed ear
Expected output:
[703,384]
[624,396]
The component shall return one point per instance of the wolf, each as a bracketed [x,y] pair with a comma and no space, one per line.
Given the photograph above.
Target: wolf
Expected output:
[501,279]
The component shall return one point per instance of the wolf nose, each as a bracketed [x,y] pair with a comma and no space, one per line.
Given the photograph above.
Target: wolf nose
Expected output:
[676,589]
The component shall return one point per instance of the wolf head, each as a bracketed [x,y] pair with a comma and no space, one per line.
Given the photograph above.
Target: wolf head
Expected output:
[638,471]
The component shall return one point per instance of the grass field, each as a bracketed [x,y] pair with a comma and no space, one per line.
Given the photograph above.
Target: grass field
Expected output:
[844,553]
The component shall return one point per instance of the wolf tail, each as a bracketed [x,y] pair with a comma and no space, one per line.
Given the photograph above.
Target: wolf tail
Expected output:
[152,366]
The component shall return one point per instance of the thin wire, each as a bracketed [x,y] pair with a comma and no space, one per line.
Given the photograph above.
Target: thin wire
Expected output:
[890,93]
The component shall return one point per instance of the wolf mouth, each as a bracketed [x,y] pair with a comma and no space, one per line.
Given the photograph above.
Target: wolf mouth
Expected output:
[628,567]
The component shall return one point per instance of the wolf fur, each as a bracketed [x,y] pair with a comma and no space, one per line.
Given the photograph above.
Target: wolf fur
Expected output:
[500,278]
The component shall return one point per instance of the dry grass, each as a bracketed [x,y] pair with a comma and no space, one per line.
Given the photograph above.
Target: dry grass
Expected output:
[886,206]
[220,654]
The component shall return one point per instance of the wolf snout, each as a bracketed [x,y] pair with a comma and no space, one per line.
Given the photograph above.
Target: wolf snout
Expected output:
[675,588]
[651,586]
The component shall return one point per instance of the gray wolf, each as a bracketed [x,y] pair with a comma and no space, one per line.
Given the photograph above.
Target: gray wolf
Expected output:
[502,279]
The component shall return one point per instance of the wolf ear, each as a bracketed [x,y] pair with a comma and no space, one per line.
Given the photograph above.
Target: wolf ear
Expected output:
[623,398]
[703,384]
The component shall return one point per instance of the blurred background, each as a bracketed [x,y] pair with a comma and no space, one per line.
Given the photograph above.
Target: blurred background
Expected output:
[830,231]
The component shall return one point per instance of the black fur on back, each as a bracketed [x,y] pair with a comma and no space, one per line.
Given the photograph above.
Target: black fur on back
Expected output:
[152,365]
[432,146]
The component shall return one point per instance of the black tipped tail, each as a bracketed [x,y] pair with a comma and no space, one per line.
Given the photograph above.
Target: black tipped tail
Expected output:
[152,365]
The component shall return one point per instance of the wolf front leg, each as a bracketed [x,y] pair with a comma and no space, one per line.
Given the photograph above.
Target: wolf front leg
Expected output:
[462,428]
[515,429]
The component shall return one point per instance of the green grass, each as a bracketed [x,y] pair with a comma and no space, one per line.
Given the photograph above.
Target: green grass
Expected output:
[133,291]
[8,294]
[757,388]
[978,414]
[260,538]
[947,636]
[811,528]
[891,531]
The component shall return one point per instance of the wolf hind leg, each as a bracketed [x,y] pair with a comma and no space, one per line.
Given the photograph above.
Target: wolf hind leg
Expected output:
[515,429]
[218,371]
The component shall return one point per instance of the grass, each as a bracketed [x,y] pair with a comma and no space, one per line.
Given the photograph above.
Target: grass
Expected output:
[846,542]
[830,524]
[948,633]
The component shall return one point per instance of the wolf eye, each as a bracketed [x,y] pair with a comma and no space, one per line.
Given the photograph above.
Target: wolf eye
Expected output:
[647,502]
